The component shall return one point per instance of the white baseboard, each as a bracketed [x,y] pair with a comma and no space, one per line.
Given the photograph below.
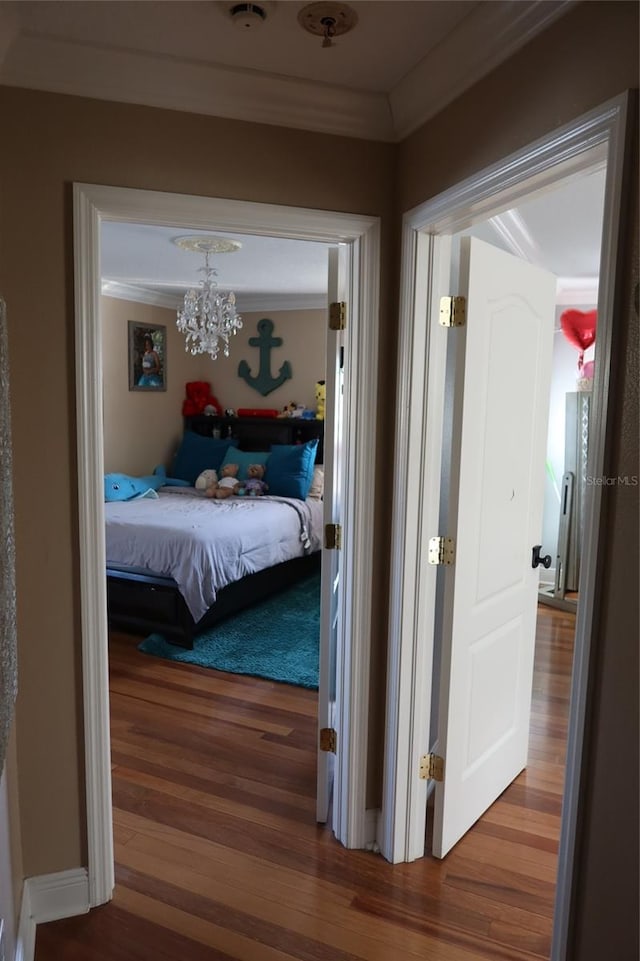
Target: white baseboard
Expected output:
[49,897]
[547,577]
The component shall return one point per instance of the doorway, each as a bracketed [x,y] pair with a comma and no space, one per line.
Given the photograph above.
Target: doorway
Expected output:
[579,147]
[92,205]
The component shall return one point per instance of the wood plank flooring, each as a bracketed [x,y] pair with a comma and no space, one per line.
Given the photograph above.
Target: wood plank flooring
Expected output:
[218,857]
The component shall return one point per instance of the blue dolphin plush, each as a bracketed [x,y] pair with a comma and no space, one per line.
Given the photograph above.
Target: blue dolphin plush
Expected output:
[123,487]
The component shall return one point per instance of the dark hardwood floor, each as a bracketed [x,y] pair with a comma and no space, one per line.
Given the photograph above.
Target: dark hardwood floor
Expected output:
[219,857]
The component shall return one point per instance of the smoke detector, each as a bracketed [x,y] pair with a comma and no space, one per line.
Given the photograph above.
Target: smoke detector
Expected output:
[248,16]
[327,20]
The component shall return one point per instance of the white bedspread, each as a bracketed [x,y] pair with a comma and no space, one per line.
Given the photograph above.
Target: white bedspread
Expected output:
[204,543]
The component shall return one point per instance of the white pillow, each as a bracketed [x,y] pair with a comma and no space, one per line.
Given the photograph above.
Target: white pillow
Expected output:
[317,484]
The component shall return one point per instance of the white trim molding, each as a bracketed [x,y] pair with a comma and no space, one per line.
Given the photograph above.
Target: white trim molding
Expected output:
[246,303]
[487,36]
[578,147]
[49,897]
[92,205]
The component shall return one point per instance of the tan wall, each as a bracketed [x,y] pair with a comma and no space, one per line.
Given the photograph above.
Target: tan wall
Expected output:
[587,57]
[303,334]
[56,140]
[142,429]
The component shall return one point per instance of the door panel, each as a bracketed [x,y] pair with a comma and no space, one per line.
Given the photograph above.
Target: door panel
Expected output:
[491,591]
[330,599]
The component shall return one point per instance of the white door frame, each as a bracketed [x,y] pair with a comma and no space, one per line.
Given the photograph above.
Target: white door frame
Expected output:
[595,137]
[92,205]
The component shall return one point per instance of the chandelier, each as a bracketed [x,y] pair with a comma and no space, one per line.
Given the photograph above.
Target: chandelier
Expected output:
[208,316]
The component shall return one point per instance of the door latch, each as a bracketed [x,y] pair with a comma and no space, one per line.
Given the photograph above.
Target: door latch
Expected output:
[536,560]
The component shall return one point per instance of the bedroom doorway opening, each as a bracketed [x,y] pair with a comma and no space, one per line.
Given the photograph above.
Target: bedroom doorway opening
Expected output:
[359,238]
[275,587]
[597,140]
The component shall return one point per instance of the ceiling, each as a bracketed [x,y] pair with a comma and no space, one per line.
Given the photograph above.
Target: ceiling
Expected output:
[401,64]
[559,229]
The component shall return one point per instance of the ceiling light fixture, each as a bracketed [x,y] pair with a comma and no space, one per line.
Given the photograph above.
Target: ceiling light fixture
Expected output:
[327,20]
[208,317]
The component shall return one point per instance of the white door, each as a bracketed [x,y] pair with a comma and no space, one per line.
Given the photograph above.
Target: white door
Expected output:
[330,600]
[491,590]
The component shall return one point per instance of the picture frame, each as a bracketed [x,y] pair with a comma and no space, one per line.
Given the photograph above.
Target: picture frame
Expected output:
[147,356]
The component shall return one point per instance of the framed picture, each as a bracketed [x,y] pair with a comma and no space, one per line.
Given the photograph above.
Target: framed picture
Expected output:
[147,356]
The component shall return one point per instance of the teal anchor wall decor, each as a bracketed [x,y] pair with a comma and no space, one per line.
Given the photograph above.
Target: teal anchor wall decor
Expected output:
[264,383]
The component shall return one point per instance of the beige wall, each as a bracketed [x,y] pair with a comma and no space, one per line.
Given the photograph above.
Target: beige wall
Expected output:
[142,429]
[585,58]
[303,334]
[56,140]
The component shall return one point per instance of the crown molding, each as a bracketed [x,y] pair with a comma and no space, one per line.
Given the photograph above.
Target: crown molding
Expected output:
[246,303]
[139,295]
[577,291]
[490,34]
[254,303]
[514,233]
[83,70]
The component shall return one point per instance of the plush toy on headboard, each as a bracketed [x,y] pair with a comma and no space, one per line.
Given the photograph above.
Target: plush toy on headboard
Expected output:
[321,397]
[199,399]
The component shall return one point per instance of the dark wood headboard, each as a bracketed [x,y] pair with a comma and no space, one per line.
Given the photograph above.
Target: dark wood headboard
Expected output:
[259,433]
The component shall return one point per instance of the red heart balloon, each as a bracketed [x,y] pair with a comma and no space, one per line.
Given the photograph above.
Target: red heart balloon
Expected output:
[579,327]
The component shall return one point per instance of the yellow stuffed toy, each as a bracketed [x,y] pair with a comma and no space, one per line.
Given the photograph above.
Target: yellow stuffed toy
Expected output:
[321,396]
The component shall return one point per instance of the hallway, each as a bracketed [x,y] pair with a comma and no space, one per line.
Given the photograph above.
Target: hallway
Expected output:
[218,857]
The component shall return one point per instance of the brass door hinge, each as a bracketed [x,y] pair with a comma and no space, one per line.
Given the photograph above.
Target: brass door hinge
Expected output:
[337,315]
[432,767]
[328,740]
[453,311]
[333,537]
[441,550]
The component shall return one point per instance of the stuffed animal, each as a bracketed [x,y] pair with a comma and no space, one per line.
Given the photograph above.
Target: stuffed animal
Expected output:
[255,486]
[124,487]
[321,397]
[207,482]
[199,397]
[228,483]
[288,409]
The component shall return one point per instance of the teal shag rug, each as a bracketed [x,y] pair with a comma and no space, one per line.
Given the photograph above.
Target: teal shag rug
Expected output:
[276,639]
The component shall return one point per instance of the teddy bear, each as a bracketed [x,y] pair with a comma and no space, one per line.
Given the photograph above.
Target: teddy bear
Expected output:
[321,396]
[199,397]
[228,483]
[207,482]
[255,485]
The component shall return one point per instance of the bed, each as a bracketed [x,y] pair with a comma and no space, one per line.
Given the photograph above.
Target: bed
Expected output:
[180,562]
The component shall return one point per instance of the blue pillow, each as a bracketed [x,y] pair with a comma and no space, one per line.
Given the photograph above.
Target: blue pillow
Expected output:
[243,458]
[290,469]
[197,453]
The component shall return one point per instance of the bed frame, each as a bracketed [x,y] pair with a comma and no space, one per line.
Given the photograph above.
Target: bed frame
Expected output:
[144,604]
